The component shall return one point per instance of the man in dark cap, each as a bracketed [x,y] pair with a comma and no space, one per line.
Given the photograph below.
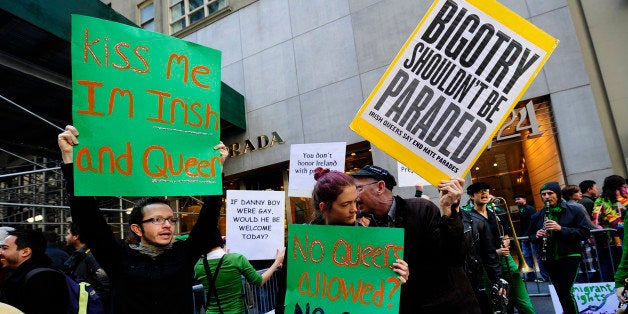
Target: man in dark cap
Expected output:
[433,241]
[484,209]
[558,228]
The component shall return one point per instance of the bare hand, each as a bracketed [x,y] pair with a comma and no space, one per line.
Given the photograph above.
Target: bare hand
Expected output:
[541,233]
[281,253]
[501,292]
[224,152]
[450,193]
[552,225]
[419,187]
[401,267]
[503,251]
[66,141]
[621,296]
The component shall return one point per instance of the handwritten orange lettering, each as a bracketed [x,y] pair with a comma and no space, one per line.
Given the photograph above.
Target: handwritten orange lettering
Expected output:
[124,58]
[308,249]
[87,47]
[122,92]
[91,103]
[158,163]
[200,69]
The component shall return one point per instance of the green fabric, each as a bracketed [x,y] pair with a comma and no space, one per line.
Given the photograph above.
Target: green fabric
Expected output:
[622,270]
[228,283]
[517,293]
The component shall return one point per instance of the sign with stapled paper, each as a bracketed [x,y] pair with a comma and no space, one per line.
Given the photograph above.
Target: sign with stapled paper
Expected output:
[304,158]
[454,82]
[407,177]
[147,107]
[342,269]
[255,223]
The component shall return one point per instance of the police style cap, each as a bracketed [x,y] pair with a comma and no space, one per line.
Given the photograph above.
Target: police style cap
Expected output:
[377,173]
[478,186]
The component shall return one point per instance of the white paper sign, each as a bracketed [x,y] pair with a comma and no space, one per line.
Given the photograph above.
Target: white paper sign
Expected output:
[595,297]
[255,223]
[408,177]
[304,158]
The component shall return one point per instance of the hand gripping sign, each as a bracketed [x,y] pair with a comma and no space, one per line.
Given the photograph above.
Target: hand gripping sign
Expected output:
[452,85]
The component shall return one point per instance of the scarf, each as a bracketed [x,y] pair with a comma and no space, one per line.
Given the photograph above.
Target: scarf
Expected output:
[150,250]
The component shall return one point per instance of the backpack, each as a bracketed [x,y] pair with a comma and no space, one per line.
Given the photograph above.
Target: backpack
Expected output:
[83,298]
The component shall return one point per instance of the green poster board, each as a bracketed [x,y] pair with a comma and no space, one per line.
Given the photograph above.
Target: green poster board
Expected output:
[340,269]
[147,107]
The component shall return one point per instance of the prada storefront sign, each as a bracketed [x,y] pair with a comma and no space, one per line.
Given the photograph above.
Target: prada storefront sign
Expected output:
[263,141]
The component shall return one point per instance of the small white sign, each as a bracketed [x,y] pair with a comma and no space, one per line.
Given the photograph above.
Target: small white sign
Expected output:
[304,158]
[255,223]
[408,177]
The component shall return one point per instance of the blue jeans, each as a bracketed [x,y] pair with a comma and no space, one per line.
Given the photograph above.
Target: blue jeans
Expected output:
[526,249]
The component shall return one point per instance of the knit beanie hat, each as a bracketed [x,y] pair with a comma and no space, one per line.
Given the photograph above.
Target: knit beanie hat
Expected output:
[552,186]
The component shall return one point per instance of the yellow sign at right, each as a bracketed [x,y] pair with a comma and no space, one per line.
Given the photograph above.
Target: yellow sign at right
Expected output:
[452,85]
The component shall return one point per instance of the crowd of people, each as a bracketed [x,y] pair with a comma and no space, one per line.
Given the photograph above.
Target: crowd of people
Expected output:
[460,257]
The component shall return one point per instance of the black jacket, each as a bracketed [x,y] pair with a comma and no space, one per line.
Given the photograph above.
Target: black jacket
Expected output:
[139,283]
[435,252]
[45,292]
[481,252]
[574,228]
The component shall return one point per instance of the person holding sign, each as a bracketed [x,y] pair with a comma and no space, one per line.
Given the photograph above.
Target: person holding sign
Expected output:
[334,198]
[154,276]
[558,229]
[220,273]
[433,241]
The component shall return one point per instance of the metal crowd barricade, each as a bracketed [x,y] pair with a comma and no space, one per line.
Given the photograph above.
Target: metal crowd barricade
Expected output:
[598,260]
[594,255]
[258,299]
[261,299]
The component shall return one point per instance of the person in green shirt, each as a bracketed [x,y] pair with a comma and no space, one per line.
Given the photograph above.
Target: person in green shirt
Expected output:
[226,270]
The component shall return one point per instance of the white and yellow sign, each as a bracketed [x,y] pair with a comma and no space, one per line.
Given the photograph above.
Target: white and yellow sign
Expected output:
[452,85]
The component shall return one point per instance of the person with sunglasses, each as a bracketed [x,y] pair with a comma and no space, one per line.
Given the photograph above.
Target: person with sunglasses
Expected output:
[154,275]
[434,244]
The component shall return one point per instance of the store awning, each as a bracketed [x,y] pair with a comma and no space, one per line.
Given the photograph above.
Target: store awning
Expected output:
[35,69]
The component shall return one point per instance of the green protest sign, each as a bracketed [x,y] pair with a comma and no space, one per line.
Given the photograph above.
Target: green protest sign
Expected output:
[147,107]
[341,269]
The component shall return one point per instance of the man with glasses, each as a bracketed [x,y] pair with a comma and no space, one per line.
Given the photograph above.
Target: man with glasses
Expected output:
[154,275]
[433,241]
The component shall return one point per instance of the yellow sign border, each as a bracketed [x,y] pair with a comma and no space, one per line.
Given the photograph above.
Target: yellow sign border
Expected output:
[399,152]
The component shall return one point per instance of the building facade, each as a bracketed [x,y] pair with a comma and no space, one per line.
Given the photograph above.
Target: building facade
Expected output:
[305,68]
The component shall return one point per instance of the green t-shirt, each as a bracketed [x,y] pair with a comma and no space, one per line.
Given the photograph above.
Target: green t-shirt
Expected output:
[228,283]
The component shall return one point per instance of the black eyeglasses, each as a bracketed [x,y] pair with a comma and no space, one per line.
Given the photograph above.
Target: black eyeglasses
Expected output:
[361,187]
[161,220]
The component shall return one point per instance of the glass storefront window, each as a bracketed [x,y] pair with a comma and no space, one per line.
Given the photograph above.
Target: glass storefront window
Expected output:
[523,155]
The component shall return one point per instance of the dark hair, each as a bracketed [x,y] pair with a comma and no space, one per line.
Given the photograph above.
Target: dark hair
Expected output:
[75,230]
[51,237]
[329,184]
[569,190]
[612,183]
[586,185]
[33,239]
[137,214]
